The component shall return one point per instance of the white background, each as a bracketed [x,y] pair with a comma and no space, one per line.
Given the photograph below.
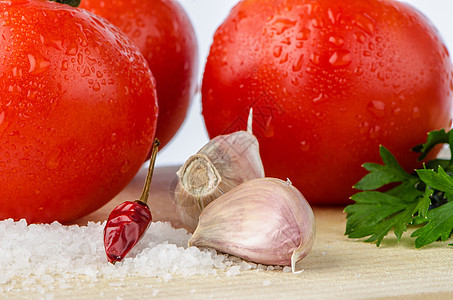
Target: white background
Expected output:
[207,15]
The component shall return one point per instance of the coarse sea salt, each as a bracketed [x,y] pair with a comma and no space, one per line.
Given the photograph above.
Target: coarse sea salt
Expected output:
[54,254]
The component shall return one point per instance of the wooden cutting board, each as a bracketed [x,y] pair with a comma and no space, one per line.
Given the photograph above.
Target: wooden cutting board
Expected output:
[337,267]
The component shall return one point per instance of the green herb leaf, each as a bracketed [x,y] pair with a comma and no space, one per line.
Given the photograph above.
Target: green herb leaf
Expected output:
[423,198]
[440,225]
[381,175]
[434,138]
[440,181]
[375,213]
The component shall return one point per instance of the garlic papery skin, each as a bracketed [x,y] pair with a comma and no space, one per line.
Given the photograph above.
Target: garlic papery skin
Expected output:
[264,220]
[222,164]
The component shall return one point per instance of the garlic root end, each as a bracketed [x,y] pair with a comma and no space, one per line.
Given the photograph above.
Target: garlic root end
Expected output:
[198,175]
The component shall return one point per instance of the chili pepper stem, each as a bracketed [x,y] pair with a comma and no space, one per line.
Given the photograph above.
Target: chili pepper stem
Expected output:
[149,175]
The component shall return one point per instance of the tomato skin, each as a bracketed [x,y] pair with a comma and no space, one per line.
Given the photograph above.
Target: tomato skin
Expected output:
[78,111]
[329,81]
[165,35]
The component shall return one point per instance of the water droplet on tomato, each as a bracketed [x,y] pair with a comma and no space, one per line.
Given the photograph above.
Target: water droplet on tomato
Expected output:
[359,37]
[321,97]
[90,61]
[298,64]
[336,40]
[286,41]
[17,73]
[38,63]
[364,127]
[80,59]
[341,58]
[304,146]
[113,137]
[396,111]
[310,70]
[86,72]
[52,40]
[96,86]
[295,81]
[281,25]
[317,22]
[72,48]
[315,58]
[64,65]
[125,167]
[53,160]
[277,51]
[284,59]
[303,34]
[2,117]
[375,132]
[224,61]
[416,112]
[358,71]
[331,16]
[299,45]
[382,76]
[377,108]
[365,23]
[366,53]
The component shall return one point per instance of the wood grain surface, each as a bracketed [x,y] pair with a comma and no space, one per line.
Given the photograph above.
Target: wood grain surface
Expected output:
[337,267]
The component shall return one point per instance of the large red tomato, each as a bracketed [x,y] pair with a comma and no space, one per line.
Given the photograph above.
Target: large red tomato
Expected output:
[78,111]
[329,81]
[164,33]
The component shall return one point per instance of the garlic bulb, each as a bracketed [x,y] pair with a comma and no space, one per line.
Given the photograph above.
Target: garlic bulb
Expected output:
[264,220]
[223,163]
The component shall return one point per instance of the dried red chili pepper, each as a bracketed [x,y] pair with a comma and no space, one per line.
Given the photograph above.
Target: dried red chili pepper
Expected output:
[128,222]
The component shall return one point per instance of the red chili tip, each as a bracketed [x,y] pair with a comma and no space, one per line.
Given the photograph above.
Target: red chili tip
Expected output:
[125,226]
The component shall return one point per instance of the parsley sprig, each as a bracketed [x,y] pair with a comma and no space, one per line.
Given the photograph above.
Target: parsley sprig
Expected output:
[423,198]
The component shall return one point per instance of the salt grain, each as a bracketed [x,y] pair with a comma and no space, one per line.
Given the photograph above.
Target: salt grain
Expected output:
[287,269]
[245,266]
[53,255]
[232,271]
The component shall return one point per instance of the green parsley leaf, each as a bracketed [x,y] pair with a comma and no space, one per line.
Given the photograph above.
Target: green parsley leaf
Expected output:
[440,225]
[440,181]
[376,213]
[424,198]
[434,138]
[381,175]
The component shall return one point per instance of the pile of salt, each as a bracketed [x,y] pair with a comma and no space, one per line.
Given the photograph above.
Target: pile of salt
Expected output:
[54,254]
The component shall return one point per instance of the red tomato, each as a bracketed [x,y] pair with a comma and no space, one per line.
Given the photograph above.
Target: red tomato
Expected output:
[77,113]
[163,32]
[329,81]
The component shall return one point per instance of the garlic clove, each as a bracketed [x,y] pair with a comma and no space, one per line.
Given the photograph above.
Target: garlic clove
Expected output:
[223,163]
[264,220]
[236,156]
[199,184]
